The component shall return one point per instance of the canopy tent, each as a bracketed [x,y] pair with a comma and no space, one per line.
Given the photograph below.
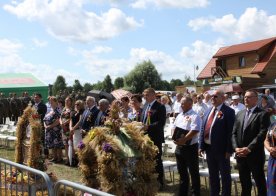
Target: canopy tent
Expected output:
[119,93]
[230,88]
[22,82]
[98,94]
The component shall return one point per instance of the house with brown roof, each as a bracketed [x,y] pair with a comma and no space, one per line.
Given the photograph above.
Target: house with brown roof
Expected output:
[250,64]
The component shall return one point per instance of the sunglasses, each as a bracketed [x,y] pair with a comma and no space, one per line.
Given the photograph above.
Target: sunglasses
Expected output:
[214,96]
[77,104]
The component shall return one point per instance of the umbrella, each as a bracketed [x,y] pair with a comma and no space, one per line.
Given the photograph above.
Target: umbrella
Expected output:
[98,94]
[119,93]
[229,88]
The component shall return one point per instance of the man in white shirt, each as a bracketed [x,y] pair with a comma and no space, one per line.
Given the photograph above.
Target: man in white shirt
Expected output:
[177,105]
[207,100]
[199,107]
[186,128]
[236,105]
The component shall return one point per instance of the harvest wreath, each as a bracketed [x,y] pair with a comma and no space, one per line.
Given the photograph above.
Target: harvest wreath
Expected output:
[30,120]
[118,158]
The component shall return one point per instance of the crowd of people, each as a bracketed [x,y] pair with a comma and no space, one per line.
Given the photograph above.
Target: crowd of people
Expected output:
[220,127]
[210,123]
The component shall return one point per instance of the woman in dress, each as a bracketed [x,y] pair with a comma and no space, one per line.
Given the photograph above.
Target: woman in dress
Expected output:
[53,132]
[64,122]
[125,109]
[75,129]
[136,111]
[270,145]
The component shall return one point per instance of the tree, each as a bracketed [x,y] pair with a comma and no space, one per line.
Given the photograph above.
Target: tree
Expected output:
[119,83]
[144,75]
[59,84]
[164,85]
[87,87]
[107,84]
[175,82]
[77,86]
[188,81]
[97,86]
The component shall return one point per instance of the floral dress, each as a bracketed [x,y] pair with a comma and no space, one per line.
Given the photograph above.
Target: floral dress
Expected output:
[271,167]
[65,116]
[53,136]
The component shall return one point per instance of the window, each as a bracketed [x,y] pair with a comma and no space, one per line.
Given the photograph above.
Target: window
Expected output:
[241,61]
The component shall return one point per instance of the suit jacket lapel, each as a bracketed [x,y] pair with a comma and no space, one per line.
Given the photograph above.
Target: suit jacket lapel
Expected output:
[242,116]
[252,117]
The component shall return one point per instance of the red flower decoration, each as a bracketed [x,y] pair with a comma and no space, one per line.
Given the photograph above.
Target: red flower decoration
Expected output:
[35,116]
[149,112]
[187,118]
[220,115]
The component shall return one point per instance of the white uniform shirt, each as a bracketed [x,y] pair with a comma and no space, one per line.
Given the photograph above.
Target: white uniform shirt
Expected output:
[177,107]
[238,107]
[200,109]
[209,104]
[189,121]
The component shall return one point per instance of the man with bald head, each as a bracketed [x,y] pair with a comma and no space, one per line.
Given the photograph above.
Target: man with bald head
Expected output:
[215,140]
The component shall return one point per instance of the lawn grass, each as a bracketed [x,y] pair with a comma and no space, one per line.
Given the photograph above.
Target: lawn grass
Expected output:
[74,175]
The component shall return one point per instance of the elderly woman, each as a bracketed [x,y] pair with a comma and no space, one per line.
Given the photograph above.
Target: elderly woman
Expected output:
[136,110]
[270,145]
[64,122]
[53,132]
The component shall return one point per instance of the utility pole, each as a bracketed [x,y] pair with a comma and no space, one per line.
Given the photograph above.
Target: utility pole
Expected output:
[195,68]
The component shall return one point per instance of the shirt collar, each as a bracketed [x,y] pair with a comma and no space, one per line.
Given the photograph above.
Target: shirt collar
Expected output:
[252,109]
[219,107]
[188,112]
[152,102]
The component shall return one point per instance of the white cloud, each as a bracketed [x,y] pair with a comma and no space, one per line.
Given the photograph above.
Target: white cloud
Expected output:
[170,3]
[252,24]
[200,52]
[68,20]
[169,66]
[9,47]
[39,43]
[11,62]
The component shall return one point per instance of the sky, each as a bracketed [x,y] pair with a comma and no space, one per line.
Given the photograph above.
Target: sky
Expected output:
[88,39]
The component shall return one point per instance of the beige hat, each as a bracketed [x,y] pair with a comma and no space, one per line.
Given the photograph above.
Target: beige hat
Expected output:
[235,97]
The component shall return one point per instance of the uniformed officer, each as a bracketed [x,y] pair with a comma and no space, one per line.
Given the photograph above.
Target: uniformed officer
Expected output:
[186,129]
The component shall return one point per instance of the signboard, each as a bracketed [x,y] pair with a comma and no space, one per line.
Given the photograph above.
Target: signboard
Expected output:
[226,80]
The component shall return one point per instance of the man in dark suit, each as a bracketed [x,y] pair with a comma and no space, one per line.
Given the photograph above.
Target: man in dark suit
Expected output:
[41,110]
[215,140]
[103,112]
[154,118]
[40,106]
[248,137]
[90,114]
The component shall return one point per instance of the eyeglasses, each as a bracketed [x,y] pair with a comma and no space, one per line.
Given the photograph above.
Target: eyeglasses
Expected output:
[249,97]
[214,96]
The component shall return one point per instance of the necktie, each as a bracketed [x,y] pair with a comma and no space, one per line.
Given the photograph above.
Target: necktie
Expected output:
[209,123]
[97,123]
[146,114]
[246,118]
